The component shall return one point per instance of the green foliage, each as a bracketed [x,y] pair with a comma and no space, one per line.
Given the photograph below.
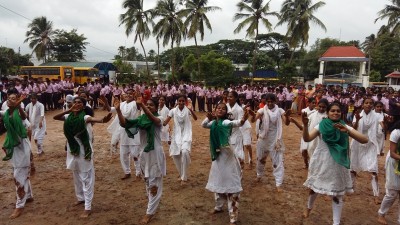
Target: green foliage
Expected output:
[40,36]
[374,76]
[11,61]
[385,55]
[287,72]
[69,46]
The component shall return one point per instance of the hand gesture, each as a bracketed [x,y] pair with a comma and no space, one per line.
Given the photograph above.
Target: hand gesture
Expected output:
[292,120]
[116,103]
[21,99]
[340,127]
[210,116]
[288,113]
[387,119]
[104,102]
[245,115]
[107,118]
[139,100]
[357,115]
[304,118]
[74,108]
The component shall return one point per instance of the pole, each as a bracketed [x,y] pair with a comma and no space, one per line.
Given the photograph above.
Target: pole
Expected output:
[19,54]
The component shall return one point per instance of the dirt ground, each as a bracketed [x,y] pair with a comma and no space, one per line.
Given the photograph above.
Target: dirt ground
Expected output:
[119,201]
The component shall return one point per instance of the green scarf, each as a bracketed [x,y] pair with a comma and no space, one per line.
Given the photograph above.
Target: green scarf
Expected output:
[337,141]
[397,169]
[74,126]
[15,132]
[142,122]
[219,138]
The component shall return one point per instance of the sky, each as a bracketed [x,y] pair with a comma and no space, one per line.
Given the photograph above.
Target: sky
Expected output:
[98,20]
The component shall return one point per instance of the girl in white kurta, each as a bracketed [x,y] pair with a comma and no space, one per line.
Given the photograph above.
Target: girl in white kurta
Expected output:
[225,174]
[364,157]
[236,139]
[35,113]
[392,176]
[18,149]
[270,139]
[246,133]
[152,158]
[378,109]
[181,143]
[329,173]
[164,111]
[78,130]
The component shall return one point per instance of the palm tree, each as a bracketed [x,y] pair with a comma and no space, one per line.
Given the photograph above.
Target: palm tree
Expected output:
[40,36]
[392,13]
[298,14]
[170,26]
[253,12]
[137,21]
[196,18]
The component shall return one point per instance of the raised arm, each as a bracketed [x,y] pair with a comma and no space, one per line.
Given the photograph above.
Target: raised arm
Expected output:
[193,114]
[105,119]
[308,136]
[352,133]
[298,125]
[121,118]
[60,116]
[146,110]
[358,118]
[286,117]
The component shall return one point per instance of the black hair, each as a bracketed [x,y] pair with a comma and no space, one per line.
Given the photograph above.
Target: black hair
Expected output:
[378,103]
[226,116]
[155,103]
[323,101]
[312,99]
[236,96]
[271,97]
[13,91]
[181,96]
[335,103]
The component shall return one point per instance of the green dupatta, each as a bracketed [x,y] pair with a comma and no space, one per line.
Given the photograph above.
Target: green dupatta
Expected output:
[337,141]
[219,138]
[142,122]
[74,126]
[15,132]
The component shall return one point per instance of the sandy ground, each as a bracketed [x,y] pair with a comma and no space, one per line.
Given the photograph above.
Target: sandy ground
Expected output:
[119,201]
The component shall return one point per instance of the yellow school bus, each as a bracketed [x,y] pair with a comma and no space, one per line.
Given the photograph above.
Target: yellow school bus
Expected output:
[51,72]
[83,74]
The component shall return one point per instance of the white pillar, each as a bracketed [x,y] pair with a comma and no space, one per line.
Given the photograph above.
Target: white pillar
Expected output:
[365,77]
[321,72]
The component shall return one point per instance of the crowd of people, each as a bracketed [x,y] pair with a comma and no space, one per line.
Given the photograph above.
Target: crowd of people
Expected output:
[329,115]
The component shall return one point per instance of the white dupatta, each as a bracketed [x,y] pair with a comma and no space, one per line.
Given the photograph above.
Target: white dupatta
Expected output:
[274,116]
[182,129]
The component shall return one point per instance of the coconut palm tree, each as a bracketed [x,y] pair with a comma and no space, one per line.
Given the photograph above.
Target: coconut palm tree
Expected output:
[392,13]
[253,13]
[137,21]
[170,27]
[196,19]
[298,14]
[40,36]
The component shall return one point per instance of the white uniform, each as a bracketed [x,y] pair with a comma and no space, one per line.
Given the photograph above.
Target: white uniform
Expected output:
[181,143]
[129,147]
[165,129]
[153,167]
[392,179]
[35,112]
[326,176]
[236,139]
[83,170]
[270,142]
[314,119]
[380,138]
[225,175]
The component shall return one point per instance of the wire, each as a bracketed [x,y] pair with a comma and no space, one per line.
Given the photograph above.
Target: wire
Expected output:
[2,6]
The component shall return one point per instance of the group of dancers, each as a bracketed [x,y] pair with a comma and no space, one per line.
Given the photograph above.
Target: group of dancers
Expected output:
[141,125]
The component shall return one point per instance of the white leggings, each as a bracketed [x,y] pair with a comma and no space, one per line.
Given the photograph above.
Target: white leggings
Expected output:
[154,189]
[337,206]
[182,162]
[126,153]
[84,187]
[22,185]
[233,204]
[387,202]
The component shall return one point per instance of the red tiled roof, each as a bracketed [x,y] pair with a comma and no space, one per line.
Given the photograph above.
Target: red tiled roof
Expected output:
[394,74]
[343,51]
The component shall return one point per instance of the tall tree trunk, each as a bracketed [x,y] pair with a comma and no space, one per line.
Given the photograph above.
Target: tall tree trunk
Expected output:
[172,59]
[254,56]
[158,59]
[291,55]
[198,57]
[145,56]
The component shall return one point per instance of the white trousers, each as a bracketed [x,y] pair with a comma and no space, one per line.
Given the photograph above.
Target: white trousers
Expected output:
[233,204]
[277,164]
[39,144]
[22,185]
[387,202]
[126,153]
[337,206]
[182,162]
[84,187]
[114,142]
[154,189]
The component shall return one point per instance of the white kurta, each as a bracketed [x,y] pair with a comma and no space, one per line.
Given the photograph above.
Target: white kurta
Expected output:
[380,137]
[129,111]
[303,144]
[325,175]
[182,133]
[79,163]
[314,119]
[165,129]
[35,112]
[364,157]
[236,139]
[225,173]
[392,179]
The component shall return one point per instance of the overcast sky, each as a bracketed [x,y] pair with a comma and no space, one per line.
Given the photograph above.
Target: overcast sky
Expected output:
[98,20]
